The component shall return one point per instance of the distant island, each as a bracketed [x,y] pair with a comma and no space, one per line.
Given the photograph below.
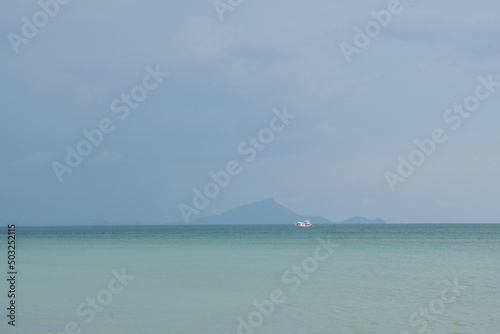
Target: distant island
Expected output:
[263,212]
[269,212]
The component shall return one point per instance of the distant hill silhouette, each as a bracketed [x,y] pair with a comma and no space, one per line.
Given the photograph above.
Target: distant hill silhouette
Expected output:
[263,212]
[270,212]
[86,222]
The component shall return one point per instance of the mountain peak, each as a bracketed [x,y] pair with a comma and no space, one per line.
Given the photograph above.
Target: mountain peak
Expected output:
[269,200]
[267,211]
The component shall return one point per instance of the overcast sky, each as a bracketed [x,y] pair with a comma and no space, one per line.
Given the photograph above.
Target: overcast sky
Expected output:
[353,116]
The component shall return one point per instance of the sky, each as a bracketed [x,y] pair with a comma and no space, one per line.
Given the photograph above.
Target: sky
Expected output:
[316,104]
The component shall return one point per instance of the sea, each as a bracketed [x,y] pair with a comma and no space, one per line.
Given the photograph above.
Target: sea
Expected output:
[269,279]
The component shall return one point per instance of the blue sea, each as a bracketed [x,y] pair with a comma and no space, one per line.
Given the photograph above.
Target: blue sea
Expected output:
[270,279]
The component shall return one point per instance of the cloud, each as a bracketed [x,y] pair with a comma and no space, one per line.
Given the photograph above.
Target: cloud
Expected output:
[108,157]
[327,129]
[445,204]
[352,120]
[36,158]
[369,201]
[463,34]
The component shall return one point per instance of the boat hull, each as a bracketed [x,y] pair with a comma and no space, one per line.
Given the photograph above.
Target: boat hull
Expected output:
[304,224]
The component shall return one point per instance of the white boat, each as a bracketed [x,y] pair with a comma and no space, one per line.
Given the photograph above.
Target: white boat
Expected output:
[305,223]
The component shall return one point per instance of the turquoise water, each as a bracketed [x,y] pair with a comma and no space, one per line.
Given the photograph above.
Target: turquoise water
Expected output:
[207,279]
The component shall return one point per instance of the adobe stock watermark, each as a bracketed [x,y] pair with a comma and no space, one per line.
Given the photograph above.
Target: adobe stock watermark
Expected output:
[372,29]
[292,278]
[436,307]
[93,305]
[453,117]
[122,106]
[30,27]
[249,149]
[223,6]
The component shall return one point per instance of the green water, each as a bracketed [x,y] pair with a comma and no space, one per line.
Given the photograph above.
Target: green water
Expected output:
[207,279]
